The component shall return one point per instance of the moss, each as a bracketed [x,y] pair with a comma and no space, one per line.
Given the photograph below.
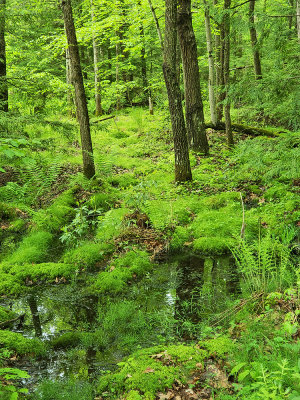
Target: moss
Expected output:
[179,238]
[6,315]
[66,340]
[87,255]
[57,215]
[18,225]
[34,248]
[218,346]
[115,278]
[14,279]
[124,181]
[213,244]
[20,345]
[153,370]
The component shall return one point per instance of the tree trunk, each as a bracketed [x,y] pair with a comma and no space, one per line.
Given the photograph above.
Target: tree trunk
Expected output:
[182,162]
[192,91]
[156,25]
[254,41]
[227,4]
[3,78]
[80,97]
[98,104]
[70,93]
[298,19]
[146,90]
[211,67]
[219,44]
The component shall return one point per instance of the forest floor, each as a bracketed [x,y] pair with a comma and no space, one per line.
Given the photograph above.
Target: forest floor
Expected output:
[129,286]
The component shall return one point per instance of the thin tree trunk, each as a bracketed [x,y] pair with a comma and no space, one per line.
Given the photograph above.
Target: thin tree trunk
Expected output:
[3,77]
[182,163]
[219,43]
[118,51]
[80,97]
[298,19]
[98,104]
[70,96]
[211,67]
[157,25]
[227,4]
[146,90]
[192,90]
[254,41]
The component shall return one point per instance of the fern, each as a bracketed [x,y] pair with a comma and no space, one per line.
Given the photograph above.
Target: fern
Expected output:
[264,266]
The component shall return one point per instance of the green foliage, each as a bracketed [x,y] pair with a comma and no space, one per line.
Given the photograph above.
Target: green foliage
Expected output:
[219,346]
[6,314]
[110,224]
[133,264]
[61,390]
[10,391]
[146,373]
[20,345]
[16,279]
[83,222]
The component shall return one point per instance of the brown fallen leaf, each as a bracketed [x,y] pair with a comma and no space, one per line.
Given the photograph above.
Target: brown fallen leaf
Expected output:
[148,370]
[112,268]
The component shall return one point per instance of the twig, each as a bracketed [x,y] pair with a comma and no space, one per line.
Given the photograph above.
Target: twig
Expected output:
[103,119]
[243,223]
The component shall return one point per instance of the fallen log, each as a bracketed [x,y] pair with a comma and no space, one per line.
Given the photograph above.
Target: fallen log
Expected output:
[248,130]
[103,119]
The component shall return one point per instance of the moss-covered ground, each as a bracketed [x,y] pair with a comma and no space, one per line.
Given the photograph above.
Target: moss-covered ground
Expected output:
[103,240]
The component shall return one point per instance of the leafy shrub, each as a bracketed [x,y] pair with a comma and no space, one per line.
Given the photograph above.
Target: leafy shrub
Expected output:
[110,225]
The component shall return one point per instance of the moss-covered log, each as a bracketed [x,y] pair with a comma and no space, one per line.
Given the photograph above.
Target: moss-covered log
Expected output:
[248,130]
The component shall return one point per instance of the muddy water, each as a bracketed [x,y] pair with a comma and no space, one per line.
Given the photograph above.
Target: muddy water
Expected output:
[186,292]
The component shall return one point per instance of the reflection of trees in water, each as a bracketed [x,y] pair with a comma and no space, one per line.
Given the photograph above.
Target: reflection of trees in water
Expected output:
[203,289]
[32,302]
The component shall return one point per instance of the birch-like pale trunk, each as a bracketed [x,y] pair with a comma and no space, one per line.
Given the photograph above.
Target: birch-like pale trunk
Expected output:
[211,67]
[3,77]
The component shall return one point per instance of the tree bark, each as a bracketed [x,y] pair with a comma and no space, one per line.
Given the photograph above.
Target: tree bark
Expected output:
[98,104]
[254,41]
[182,163]
[192,90]
[156,25]
[211,67]
[3,77]
[80,97]
[70,96]
[227,4]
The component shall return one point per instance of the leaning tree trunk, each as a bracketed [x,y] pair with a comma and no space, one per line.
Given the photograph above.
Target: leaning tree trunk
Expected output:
[3,78]
[254,41]
[192,90]
[98,104]
[227,4]
[211,67]
[80,97]
[182,162]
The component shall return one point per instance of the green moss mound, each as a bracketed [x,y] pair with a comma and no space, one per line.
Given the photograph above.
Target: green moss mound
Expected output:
[66,340]
[18,278]
[34,248]
[153,370]
[17,343]
[88,255]
[132,265]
